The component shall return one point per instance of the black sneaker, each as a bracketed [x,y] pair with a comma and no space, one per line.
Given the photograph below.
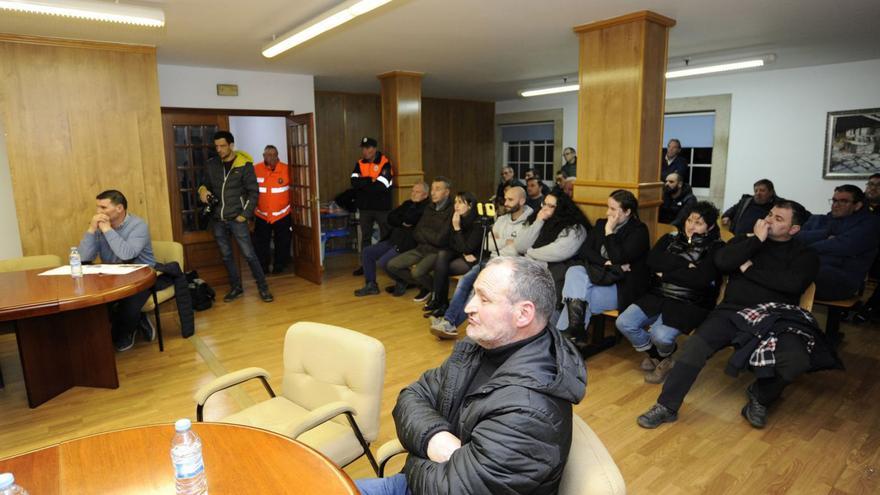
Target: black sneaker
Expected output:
[422,296]
[266,296]
[358,272]
[390,288]
[754,412]
[399,289]
[371,288]
[148,331]
[656,416]
[126,342]
[233,294]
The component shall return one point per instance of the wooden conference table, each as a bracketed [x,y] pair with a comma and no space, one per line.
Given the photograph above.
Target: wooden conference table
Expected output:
[238,460]
[63,327]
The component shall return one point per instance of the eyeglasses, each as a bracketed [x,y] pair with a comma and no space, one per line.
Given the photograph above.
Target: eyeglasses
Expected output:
[833,201]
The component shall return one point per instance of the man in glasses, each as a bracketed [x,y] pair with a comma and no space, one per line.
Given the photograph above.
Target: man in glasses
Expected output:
[846,241]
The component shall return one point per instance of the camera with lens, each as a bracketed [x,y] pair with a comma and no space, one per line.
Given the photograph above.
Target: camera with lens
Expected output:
[213,202]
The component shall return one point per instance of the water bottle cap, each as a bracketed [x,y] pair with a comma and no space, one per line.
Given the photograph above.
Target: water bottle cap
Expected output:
[6,480]
[182,425]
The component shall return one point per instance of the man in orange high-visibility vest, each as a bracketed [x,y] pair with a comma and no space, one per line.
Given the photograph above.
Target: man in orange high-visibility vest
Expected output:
[273,211]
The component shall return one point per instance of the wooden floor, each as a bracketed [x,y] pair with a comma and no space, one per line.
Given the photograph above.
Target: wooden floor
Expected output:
[824,437]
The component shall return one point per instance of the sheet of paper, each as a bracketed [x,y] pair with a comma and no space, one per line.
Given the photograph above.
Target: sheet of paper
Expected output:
[96,270]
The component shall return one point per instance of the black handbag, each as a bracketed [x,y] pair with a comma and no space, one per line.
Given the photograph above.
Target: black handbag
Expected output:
[605,274]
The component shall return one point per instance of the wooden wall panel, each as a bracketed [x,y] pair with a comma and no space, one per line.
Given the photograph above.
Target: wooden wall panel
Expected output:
[459,143]
[457,140]
[342,119]
[81,117]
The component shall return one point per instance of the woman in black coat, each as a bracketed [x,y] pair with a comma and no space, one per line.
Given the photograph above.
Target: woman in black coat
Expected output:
[464,243]
[684,286]
[614,272]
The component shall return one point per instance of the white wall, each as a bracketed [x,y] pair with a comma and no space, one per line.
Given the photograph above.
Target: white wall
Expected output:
[10,238]
[777,122]
[252,134]
[196,87]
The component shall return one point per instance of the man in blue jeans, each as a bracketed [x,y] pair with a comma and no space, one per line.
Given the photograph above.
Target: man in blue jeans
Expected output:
[229,188]
[402,221]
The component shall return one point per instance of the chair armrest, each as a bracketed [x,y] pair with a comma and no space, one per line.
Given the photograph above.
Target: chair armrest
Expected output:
[229,380]
[388,450]
[318,416]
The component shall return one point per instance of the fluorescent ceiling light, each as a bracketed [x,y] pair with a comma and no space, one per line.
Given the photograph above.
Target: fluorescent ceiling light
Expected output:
[710,69]
[93,11]
[672,74]
[321,24]
[550,91]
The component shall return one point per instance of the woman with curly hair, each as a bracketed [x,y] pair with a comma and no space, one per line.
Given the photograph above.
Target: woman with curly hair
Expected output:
[554,235]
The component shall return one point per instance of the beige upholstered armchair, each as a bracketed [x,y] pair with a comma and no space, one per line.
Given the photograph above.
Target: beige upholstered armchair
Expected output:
[590,470]
[331,392]
[164,252]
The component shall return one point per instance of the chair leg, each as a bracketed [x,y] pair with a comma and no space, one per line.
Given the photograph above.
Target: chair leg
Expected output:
[158,321]
[2,385]
[832,326]
[364,444]
[598,341]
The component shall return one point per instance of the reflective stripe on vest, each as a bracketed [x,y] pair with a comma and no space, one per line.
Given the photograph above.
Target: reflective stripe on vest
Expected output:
[274,188]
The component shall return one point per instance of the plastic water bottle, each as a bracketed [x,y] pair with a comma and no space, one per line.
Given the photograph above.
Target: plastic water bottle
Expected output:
[186,454]
[8,486]
[76,266]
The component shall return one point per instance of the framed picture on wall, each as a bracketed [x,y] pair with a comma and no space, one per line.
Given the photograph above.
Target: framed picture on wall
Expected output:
[852,144]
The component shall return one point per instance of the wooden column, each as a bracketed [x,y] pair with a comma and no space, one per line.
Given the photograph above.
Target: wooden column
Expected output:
[402,128]
[620,111]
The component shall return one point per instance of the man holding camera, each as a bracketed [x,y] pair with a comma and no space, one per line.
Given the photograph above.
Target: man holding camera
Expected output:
[229,187]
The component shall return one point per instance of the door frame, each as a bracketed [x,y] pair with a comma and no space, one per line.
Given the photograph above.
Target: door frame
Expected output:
[313,272]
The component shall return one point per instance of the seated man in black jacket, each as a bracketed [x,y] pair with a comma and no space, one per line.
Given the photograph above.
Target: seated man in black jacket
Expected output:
[768,266]
[677,196]
[741,217]
[432,234]
[496,416]
[402,221]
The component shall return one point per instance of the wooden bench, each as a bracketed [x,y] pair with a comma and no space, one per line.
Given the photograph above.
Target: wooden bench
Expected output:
[836,311]
[599,342]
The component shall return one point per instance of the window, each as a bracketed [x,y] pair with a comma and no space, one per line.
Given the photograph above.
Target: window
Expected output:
[696,131]
[529,146]
[193,147]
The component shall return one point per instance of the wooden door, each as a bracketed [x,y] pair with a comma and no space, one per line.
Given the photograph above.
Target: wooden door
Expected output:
[189,144]
[304,197]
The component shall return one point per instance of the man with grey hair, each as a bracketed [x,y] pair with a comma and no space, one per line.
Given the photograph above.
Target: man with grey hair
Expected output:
[402,221]
[495,417]
[508,179]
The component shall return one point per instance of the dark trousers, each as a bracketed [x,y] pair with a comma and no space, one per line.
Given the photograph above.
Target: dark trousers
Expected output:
[716,333]
[223,230]
[448,263]
[263,233]
[377,255]
[125,314]
[367,217]
[833,284]
[401,268]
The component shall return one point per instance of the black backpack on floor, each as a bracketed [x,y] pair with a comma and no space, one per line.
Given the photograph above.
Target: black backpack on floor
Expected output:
[202,294]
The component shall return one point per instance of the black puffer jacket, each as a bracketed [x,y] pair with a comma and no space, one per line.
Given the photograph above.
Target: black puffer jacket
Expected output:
[433,230]
[468,238]
[236,190]
[629,245]
[515,430]
[403,220]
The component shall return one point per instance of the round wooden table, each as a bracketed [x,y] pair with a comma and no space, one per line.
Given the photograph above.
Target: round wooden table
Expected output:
[238,460]
[63,327]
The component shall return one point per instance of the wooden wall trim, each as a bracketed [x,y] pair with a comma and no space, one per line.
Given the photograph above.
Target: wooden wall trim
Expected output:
[74,43]
[644,15]
[231,112]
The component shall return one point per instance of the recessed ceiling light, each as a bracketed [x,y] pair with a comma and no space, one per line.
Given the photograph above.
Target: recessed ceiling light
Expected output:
[93,11]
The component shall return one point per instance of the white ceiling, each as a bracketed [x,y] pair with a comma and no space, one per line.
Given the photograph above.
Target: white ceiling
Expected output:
[478,49]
